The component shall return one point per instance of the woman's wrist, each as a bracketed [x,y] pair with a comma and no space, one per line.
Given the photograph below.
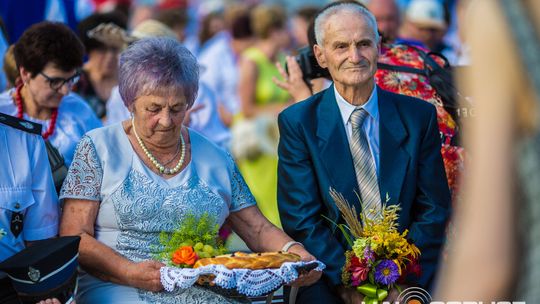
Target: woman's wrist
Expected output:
[290,244]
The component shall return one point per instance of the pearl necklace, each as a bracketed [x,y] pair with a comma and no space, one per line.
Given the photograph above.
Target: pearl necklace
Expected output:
[154,161]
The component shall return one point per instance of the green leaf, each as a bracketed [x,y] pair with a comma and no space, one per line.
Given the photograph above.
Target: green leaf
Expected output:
[343,229]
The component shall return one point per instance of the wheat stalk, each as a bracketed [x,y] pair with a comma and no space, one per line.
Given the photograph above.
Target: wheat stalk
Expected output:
[348,212]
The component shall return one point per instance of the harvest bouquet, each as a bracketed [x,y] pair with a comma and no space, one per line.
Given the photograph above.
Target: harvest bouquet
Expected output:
[381,256]
[194,239]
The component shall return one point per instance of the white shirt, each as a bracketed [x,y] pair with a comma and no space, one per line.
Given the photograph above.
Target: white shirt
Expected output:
[370,125]
[75,117]
[26,186]
[220,70]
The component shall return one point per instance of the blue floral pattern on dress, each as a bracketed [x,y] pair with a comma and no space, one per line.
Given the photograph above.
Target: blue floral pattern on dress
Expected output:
[144,209]
[85,174]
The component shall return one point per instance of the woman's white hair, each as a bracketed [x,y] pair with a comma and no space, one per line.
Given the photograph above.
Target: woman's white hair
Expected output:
[322,18]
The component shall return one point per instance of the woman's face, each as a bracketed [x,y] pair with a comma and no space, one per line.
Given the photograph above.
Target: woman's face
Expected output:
[48,87]
[281,37]
[104,60]
[159,119]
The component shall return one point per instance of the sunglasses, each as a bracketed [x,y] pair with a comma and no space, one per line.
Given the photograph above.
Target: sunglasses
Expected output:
[57,82]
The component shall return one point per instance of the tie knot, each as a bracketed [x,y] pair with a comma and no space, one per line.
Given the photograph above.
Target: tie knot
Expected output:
[357,117]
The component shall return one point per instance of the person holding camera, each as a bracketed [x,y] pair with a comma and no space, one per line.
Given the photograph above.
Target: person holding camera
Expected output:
[357,138]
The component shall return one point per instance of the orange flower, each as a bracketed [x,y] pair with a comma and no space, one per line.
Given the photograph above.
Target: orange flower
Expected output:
[184,256]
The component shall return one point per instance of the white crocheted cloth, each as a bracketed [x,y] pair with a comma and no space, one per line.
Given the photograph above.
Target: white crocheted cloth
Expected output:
[251,283]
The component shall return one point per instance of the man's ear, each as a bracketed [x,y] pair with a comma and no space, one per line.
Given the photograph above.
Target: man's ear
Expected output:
[318,52]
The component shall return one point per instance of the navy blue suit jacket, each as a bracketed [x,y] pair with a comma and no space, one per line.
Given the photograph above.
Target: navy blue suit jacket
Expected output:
[314,155]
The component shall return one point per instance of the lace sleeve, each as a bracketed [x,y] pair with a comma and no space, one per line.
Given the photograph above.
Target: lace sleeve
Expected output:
[85,174]
[241,195]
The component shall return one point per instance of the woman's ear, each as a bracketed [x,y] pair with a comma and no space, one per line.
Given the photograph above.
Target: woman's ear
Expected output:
[25,75]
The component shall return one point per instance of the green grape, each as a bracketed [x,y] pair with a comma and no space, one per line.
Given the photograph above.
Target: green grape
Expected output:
[208,249]
[198,247]
[203,255]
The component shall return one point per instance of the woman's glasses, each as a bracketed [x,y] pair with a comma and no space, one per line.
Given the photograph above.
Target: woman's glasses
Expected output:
[57,82]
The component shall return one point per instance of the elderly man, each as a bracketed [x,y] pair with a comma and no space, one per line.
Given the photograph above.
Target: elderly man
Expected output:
[354,136]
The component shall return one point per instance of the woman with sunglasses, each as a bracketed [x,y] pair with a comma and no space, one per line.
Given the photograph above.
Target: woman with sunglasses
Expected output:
[48,57]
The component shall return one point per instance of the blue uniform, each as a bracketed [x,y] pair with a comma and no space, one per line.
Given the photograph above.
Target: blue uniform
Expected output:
[29,209]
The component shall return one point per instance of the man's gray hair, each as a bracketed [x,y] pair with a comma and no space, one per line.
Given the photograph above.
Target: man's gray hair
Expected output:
[158,66]
[321,19]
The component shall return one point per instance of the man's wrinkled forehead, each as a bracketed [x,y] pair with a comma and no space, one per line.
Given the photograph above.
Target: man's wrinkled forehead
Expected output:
[346,26]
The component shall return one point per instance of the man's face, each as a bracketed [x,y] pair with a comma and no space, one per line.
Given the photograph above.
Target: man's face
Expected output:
[349,50]
[430,36]
[387,15]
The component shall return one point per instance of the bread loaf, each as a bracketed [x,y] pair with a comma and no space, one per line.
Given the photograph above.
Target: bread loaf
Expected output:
[250,260]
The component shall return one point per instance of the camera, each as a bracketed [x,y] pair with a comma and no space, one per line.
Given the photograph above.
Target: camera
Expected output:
[309,65]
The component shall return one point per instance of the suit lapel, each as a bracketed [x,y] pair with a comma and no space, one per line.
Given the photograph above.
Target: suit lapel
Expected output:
[335,152]
[394,159]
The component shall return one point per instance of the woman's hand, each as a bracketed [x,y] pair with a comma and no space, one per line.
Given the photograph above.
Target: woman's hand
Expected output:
[307,278]
[145,275]
[293,82]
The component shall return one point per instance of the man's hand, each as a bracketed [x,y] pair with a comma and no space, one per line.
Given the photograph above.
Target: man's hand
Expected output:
[349,295]
[393,294]
[145,275]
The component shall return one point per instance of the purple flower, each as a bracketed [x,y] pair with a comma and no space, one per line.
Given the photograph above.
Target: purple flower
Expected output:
[369,255]
[386,272]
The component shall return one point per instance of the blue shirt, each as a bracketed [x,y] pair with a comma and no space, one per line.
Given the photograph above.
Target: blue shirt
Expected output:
[26,186]
[370,125]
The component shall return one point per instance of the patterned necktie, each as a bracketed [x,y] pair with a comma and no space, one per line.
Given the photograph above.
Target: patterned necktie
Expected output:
[364,165]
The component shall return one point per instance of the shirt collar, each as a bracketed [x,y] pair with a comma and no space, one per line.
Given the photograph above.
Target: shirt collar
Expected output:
[346,109]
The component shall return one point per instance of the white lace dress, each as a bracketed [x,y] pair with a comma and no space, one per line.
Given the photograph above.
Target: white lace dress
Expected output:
[136,205]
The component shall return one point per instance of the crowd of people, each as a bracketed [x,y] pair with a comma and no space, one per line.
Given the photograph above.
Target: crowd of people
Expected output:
[120,119]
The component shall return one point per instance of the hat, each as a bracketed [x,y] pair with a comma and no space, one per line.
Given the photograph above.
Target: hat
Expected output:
[429,13]
[45,269]
[152,28]
[110,34]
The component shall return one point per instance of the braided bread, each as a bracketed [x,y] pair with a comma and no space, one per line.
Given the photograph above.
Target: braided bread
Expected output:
[250,260]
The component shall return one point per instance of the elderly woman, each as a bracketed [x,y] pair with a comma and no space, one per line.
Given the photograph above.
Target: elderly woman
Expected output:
[48,58]
[131,180]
